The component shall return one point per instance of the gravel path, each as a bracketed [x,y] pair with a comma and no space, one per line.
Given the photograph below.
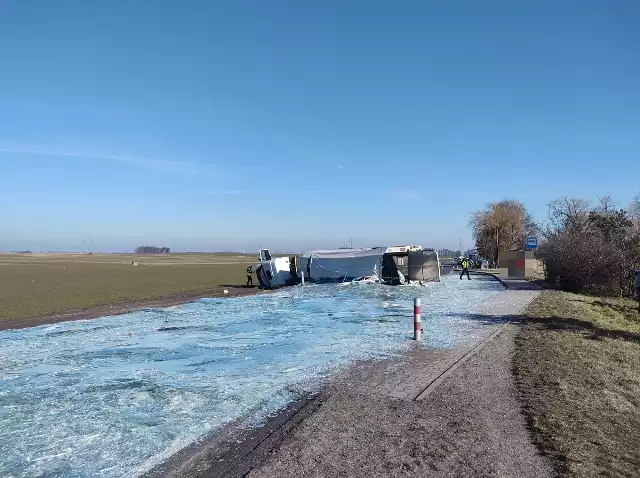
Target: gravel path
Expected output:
[454,413]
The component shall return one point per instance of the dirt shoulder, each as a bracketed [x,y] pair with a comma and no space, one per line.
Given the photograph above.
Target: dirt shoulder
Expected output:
[124,307]
[470,425]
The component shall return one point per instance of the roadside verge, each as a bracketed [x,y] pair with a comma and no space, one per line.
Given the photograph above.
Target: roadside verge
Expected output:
[577,364]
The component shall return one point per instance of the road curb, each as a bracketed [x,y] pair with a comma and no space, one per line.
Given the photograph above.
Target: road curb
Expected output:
[490,274]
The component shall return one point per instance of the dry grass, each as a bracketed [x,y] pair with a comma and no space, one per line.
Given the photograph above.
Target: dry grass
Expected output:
[148,259]
[35,285]
[578,368]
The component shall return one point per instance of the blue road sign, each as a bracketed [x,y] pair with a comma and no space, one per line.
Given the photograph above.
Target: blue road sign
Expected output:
[532,242]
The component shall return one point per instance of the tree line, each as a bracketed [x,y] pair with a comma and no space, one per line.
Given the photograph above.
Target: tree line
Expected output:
[501,226]
[449,253]
[584,246]
[152,250]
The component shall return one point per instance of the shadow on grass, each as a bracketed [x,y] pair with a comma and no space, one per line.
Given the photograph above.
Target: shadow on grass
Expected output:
[622,309]
[554,323]
[488,319]
[549,408]
[560,324]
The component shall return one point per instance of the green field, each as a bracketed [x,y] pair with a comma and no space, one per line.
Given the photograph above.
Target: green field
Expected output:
[578,368]
[34,285]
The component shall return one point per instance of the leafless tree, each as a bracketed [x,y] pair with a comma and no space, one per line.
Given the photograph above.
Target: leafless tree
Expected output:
[501,226]
[634,211]
[590,248]
[567,214]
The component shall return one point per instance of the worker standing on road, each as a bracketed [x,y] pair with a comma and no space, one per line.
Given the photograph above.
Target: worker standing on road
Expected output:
[465,268]
[249,276]
[638,288]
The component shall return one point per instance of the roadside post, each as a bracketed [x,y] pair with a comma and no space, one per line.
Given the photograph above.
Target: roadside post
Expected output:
[417,330]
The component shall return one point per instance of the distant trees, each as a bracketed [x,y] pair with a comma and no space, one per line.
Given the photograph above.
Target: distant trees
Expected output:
[634,211]
[152,250]
[501,226]
[446,252]
[591,248]
[585,247]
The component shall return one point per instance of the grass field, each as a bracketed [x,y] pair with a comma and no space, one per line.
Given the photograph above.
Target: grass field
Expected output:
[148,259]
[43,284]
[578,367]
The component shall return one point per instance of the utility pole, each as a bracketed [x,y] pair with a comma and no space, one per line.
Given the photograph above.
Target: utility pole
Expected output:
[497,248]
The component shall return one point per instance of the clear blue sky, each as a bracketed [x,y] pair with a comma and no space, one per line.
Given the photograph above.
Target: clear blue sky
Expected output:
[295,125]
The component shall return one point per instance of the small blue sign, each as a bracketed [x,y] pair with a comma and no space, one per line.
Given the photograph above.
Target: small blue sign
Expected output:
[532,242]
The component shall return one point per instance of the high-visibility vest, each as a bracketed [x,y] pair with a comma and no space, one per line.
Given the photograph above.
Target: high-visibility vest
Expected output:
[465,264]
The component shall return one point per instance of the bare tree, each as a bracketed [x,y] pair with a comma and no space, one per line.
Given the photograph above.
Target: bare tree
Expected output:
[606,204]
[567,214]
[634,211]
[501,226]
[590,248]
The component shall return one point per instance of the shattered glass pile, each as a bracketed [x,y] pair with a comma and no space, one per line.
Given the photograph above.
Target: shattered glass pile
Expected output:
[118,395]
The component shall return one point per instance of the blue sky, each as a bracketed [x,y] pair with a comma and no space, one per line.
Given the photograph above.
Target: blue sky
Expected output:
[295,125]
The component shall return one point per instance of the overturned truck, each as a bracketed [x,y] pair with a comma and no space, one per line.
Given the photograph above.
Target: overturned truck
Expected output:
[390,265]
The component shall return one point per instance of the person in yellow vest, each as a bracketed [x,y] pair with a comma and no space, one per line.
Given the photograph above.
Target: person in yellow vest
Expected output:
[465,267]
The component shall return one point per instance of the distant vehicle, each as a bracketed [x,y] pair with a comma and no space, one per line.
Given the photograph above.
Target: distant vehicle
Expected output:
[475,261]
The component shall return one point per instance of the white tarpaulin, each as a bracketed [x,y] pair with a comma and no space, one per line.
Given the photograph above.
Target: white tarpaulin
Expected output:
[341,264]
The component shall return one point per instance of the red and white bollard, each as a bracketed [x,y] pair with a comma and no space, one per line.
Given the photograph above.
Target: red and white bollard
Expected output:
[417,328]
